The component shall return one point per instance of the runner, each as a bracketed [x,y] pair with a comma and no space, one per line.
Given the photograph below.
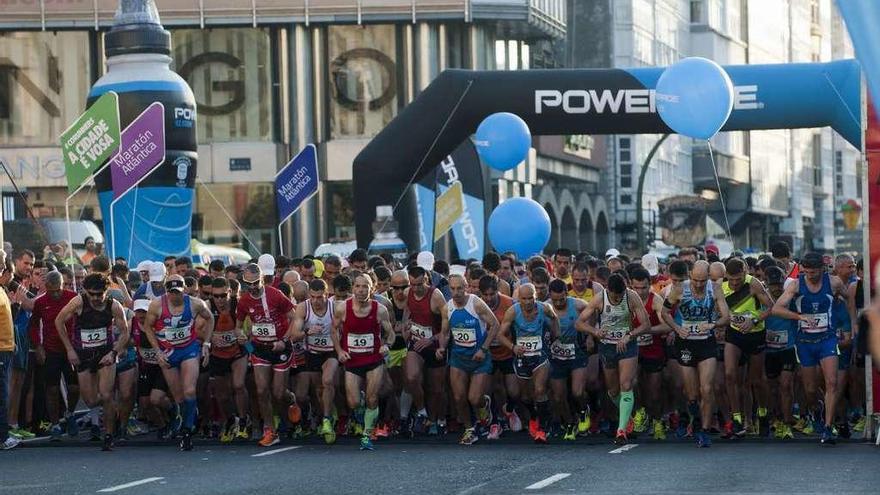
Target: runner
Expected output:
[618,347]
[749,306]
[699,311]
[397,354]
[174,324]
[425,305]
[361,336]
[152,390]
[472,326]
[91,348]
[568,360]
[780,358]
[562,265]
[652,357]
[527,329]
[228,363]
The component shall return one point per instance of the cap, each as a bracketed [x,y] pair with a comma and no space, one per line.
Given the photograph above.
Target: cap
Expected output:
[319,268]
[457,270]
[267,264]
[174,285]
[249,272]
[612,253]
[144,266]
[651,263]
[137,29]
[712,248]
[812,260]
[141,305]
[425,259]
[157,271]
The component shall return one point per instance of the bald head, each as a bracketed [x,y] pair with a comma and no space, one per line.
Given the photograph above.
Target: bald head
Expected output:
[700,269]
[300,290]
[717,271]
[290,277]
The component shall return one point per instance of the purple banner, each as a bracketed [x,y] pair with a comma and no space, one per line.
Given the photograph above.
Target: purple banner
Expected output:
[141,151]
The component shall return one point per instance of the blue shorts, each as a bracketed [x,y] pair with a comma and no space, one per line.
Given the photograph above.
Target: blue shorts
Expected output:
[812,353]
[560,369]
[470,366]
[179,355]
[609,355]
[22,347]
[126,361]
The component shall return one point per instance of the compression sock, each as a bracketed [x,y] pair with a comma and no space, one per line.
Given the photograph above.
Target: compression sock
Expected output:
[189,413]
[370,416]
[615,399]
[405,405]
[626,407]
[544,413]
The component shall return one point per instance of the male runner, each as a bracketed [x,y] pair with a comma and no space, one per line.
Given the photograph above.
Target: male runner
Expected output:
[562,265]
[568,360]
[228,363]
[506,385]
[652,356]
[780,357]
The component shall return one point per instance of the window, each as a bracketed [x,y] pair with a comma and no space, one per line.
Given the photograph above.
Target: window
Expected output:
[624,155]
[697,16]
[363,84]
[817,160]
[626,199]
[838,173]
[229,70]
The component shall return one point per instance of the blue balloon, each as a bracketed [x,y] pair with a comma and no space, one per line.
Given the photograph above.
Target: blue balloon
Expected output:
[520,225]
[503,140]
[694,97]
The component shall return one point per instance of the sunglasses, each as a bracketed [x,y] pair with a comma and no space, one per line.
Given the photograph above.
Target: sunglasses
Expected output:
[248,285]
[220,296]
[95,294]
[399,287]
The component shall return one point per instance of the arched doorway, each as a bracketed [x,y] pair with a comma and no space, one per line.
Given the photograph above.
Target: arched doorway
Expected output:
[601,234]
[553,244]
[587,235]
[569,233]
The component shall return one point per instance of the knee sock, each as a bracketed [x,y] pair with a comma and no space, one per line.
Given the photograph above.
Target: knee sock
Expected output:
[626,407]
[189,413]
[544,413]
[370,416]
[405,405]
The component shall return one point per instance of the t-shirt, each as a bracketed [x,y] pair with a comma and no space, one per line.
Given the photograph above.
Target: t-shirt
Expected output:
[42,325]
[265,311]
[7,339]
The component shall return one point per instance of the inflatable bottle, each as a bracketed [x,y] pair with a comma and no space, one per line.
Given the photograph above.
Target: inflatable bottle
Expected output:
[153,220]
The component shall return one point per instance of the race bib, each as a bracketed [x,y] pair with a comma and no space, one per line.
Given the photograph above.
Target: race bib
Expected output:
[263,331]
[693,329]
[562,351]
[777,338]
[320,343]
[149,355]
[421,331]
[738,320]
[645,339]
[613,336]
[360,343]
[531,343]
[818,323]
[464,337]
[176,336]
[226,339]
[93,337]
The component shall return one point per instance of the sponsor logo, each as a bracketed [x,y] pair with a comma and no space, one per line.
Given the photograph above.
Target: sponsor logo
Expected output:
[465,222]
[628,101]
[184,117]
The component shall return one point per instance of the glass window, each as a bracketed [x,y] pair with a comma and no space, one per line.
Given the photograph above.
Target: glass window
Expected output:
[626,199]
[626,181]
[363,85]
[229,71]
[44,80]
[246,204]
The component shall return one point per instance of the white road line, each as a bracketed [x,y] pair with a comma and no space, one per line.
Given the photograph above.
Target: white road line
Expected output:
[129,485]
[549,481]
[270,452]
[623,449]
[35,439]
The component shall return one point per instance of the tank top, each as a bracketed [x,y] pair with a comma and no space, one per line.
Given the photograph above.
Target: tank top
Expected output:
[650,345]
[467,329]
[499,352]
[568,345]
[147,353]
[692,312]
[746,306]
[175,331]
[94,326]
[616,319]
[424,324]
[399,343]
[319,342]
[530,334]
[361,337]
[224,329]
[817,306]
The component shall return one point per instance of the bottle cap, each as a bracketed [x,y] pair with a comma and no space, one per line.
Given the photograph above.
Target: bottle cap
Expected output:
[137,29]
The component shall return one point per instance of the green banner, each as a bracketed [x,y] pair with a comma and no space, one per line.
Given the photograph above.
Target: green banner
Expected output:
[91,140]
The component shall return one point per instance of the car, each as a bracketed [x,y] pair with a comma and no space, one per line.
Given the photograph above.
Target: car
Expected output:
[35,234]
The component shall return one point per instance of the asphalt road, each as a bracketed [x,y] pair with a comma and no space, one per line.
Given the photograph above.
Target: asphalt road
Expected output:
[590,465]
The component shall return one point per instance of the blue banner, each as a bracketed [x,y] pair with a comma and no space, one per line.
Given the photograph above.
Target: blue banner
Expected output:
[296,182]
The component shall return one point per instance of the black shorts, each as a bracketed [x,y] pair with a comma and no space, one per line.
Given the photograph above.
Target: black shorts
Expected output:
[150,378]
[218,366]
[362,371]
[525,367]
[315,361]
[649,365]
[751,344]
[429,356]
[692,352]
[777,362]
[504,366]
[89,359]
[57,366]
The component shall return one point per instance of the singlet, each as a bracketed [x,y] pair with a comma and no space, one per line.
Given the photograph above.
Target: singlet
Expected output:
[781,332]
[94,327]
[224,330]
[147,353]
[467,329]
[175,331]
[361,337]
[424,324]
[616,319]
[499,352]
[530,334]
[692,312]
[743,305]
[319,342]
[585,296]
[817,306]
[651,346]
[568,345]
[399,343]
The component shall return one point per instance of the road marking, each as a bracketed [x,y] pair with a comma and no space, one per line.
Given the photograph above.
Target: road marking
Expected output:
[35,439]
[27,486]
[270,452]
[549,481]
[129,485]
[623,449]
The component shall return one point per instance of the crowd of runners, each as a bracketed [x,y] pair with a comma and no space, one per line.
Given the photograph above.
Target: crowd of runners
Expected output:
[563,346]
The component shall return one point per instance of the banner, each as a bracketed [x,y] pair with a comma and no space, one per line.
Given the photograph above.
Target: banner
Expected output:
[450,206]
[682,220]
[584,101]
[296,182]
[89,141]
[142,150]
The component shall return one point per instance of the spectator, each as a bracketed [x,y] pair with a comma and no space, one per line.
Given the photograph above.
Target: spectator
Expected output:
[7,349]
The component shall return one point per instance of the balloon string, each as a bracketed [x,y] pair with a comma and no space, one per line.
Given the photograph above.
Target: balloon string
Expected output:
[842,101]
[425,157]
[720,193]
[232,220]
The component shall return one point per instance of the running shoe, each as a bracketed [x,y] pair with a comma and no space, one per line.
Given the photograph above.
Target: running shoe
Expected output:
[859,426]
[703,440]
[843,430]
[244,424]
[583,426]
[176,424]
[659,430]
[620,437]
[484,414]
[44,426]
[433,430]
[55,432]
[10,443]
[186,443]
[269,439]
[21,434]
[419,424]
[107,444]
[229,433]
[540,436]
[381,431]
[469,437]
[327,431]
[827,437]
[294,413]
[513,420]
[787,434]
[738,429]
[366,443]
[570,433]
[494,432]
[533,427]
[763,422]
[640,420]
